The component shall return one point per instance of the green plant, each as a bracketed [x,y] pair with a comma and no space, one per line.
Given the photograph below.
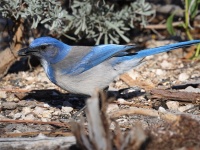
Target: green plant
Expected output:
[90,19]
[191,10]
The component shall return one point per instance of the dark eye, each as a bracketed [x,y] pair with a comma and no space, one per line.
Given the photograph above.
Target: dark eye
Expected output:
[43,47]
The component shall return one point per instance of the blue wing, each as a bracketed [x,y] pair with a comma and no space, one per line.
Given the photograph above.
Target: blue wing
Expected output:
[97,55]
[101,53]
[153,51]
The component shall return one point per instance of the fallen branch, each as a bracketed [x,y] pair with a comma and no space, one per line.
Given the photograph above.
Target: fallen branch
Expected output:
[129,81]
[16,90]
[163,26]
[176,95]
[169,117]
[39,142]
[60,133]
[59,124]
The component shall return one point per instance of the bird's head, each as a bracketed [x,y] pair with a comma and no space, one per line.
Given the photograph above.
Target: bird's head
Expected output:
[46,48]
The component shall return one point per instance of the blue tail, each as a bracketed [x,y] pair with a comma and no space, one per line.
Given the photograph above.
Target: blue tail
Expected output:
[152,51]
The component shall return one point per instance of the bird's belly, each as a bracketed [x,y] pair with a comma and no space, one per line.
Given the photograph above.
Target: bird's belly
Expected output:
[87,82]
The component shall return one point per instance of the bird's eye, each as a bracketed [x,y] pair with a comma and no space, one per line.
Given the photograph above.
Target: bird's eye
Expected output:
[43,47]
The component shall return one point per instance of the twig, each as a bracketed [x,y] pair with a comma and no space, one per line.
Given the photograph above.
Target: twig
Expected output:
[147,112]
[176,95]
[36,122]
[15,90]
[37,133]
[162,26]
[129,81]
[39,142]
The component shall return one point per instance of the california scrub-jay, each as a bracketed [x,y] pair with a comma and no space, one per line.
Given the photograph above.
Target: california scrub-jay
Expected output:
[82,69]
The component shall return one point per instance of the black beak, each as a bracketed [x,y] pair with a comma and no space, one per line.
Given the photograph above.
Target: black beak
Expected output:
[25,51]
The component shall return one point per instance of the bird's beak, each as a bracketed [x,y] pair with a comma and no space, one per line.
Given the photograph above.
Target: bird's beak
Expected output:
[26,51]
[23,52]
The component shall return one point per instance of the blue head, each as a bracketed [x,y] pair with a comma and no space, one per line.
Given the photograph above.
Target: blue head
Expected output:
[47,48]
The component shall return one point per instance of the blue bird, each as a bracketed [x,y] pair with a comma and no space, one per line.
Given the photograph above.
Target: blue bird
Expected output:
[82,69]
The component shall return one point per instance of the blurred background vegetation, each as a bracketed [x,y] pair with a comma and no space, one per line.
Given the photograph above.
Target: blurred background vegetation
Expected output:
[98,21]
[90,22]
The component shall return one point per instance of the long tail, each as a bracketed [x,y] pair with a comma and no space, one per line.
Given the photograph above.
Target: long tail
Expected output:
[152,51]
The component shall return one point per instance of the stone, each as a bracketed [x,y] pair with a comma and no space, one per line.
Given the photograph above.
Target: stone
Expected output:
[9,105]
[3,94]
[38,111]
[112,108]
[183,77]
[17,116]
[29,117]
[160,72]
[46,114]
[66,109]
[166,65]
[173,105]
[186,107]
[191,89]
[26,110]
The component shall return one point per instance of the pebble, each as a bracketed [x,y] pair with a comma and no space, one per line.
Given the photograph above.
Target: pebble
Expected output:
[38,111]
[26,110]
[183,77]
[46,114]
[134,75]
[191,89]
[56,113]
[3,94]
[121,100]
[173,105]
[66,109]
[29,117]
[17,116]
[45,119]
[9,105]
[2,117]
[46,105]
[112,108]
[160,72]
[166,65]
[186,107]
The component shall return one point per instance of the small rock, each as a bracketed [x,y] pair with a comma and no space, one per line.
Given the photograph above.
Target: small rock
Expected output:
[30,78]
[183,77]
[191,89]
[9,105]
[56,113]
[3,94]
[29,117]
[17,116]
[2,117]
[112,108]
[173,105]
[45,119]
[16,131]
[166,65]
[186,107]
[46,105]
[159,72]
[134,75]
[161,109]
[46,114]
[26,110]
[38,111]
[66,109]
